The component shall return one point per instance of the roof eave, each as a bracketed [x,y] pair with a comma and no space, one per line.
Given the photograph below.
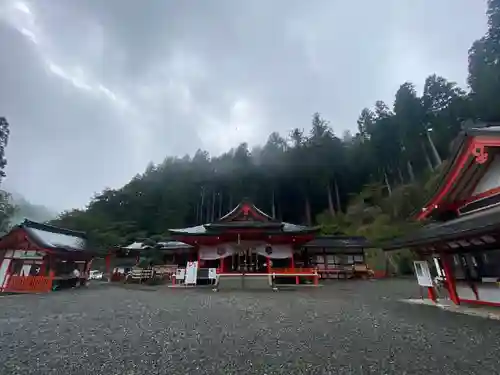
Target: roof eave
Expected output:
[438,238]
[457,150]
[269,232]
[52,229]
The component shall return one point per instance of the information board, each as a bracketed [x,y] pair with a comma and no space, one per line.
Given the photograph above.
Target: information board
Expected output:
[191,273]
[212,273]
[423,273]
[180,274]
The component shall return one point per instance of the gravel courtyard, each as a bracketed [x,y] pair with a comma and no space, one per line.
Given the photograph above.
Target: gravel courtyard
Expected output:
[343,328]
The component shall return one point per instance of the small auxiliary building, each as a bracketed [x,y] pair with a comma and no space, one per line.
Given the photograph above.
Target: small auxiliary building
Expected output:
[463,237]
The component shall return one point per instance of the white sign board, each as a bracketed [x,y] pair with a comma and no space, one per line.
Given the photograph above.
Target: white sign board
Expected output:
[24,254]
[191,273]
[212,273]
[423,273]
[180,274]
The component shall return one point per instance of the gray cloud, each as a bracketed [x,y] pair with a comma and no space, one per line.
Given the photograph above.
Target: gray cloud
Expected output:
[95,89]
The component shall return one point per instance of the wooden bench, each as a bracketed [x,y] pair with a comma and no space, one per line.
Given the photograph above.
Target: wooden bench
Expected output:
[336,273]
[139,275]
[362,270]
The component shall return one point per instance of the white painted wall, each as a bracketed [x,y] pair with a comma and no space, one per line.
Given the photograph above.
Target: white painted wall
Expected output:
[490,293]
[491,178]
[3,272]
[465,292]
[33,257]
[22,254]
[486,292]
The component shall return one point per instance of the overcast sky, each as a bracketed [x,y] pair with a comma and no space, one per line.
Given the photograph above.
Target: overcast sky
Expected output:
[95,89]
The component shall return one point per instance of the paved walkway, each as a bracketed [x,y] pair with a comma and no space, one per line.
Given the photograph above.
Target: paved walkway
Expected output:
[349,327]
[473,310]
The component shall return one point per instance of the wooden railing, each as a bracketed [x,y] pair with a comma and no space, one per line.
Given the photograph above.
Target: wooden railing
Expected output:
[29,284]
[294,271]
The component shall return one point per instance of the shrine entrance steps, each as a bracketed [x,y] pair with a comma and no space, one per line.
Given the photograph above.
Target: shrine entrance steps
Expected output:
[243,281]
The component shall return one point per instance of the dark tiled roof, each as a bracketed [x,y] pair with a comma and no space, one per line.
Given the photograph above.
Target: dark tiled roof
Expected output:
[213,229]
[51,237]
[339,242]
[235,211]
[478,223]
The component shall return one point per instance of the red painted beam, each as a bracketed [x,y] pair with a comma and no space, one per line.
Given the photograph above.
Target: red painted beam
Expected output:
[453,176]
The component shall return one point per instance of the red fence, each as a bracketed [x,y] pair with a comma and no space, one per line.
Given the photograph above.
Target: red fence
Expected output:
[294,271]
[29,284]
[379,274]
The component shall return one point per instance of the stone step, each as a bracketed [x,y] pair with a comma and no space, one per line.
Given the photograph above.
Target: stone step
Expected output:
[243,282]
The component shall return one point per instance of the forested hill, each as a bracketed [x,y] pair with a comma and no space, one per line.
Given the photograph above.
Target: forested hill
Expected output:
[27,210]
[364,183]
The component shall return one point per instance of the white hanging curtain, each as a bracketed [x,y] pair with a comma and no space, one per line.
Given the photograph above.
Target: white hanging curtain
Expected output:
[215,252]
[275,251]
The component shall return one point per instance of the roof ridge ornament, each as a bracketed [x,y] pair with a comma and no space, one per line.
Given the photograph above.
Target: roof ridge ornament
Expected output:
[478,151]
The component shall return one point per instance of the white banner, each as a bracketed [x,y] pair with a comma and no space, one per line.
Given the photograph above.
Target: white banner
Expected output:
[216,252]
[263,249]
[275,251]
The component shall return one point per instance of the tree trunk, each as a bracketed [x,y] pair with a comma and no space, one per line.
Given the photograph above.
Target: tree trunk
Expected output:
[221,195]
[392,262]
[213,206]
[207,212]
[331,208]
[387,184]
[202,204]
[434,149]
[401,178]
[427,158]
[197,212]
[273,206]
[308,210]
[410,171]
[337,196]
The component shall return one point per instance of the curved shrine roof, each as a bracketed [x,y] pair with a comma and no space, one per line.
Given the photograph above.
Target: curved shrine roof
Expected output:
[51,237]
[339,242]
[203,230]
[480,223]
[467,163]
[244,216]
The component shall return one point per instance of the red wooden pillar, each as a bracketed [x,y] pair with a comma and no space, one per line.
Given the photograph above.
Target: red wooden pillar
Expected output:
[325,264]
[292,266]
[450,279]
[108,265]
[43,267]
[431,293]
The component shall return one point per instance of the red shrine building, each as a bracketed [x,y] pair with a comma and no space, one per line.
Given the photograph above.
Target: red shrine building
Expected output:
[36,257]
[247,241]
[462,239]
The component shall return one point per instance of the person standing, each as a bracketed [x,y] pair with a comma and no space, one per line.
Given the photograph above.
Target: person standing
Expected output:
[76,277]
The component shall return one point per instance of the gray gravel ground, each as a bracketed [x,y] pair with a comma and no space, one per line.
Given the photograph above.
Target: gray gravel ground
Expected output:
[343,328]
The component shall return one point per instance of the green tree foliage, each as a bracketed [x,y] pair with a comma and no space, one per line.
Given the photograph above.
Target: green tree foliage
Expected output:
[484,67]
[7,209]
[4,139]
[367,184]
